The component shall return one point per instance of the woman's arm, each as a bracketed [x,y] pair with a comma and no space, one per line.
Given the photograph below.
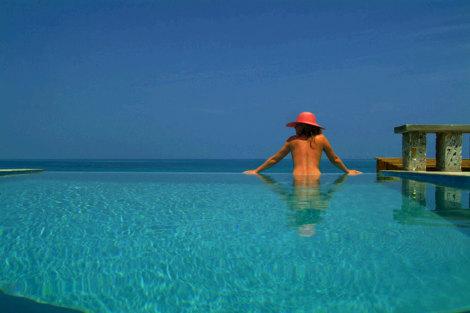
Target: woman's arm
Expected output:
[272,160]
[335,159]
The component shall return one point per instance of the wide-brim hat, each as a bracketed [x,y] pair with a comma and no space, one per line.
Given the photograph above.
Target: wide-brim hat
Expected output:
[305,118]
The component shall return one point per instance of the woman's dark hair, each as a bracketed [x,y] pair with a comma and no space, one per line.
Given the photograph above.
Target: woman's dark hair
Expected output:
[308,130]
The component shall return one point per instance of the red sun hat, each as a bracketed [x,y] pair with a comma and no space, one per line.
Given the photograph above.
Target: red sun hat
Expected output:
[305,118]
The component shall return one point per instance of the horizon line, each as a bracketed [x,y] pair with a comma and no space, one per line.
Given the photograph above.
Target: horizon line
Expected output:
[148,159]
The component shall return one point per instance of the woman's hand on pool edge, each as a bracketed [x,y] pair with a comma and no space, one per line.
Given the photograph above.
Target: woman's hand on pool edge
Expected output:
[250,172]
[354,172]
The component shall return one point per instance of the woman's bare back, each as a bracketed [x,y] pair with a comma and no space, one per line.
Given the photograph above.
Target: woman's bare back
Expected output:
[306,154]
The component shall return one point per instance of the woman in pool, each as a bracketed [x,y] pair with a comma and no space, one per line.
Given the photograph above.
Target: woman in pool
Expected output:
[306,148]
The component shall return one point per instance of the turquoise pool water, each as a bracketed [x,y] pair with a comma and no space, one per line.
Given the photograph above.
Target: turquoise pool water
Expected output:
[215,242]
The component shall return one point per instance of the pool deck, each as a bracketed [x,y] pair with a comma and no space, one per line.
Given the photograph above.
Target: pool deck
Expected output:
[16,171]
[383,163]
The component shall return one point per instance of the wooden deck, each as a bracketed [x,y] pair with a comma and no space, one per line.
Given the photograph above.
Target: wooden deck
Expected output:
[396,164]
[15,171]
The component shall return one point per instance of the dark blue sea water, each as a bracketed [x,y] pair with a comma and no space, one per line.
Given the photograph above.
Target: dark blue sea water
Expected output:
[180,165]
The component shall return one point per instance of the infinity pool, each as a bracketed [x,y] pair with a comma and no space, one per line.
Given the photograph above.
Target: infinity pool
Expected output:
[215,242]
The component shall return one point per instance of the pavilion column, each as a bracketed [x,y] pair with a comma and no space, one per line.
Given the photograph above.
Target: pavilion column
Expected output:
[414,151]
[449,151]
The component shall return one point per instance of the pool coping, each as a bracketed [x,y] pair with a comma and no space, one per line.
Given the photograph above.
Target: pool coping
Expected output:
[15,171]
[461,179]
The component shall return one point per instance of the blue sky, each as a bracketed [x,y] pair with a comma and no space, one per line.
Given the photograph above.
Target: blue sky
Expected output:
[220,79]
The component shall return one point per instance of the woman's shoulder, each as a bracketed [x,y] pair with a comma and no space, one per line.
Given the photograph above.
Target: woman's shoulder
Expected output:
[320,136]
